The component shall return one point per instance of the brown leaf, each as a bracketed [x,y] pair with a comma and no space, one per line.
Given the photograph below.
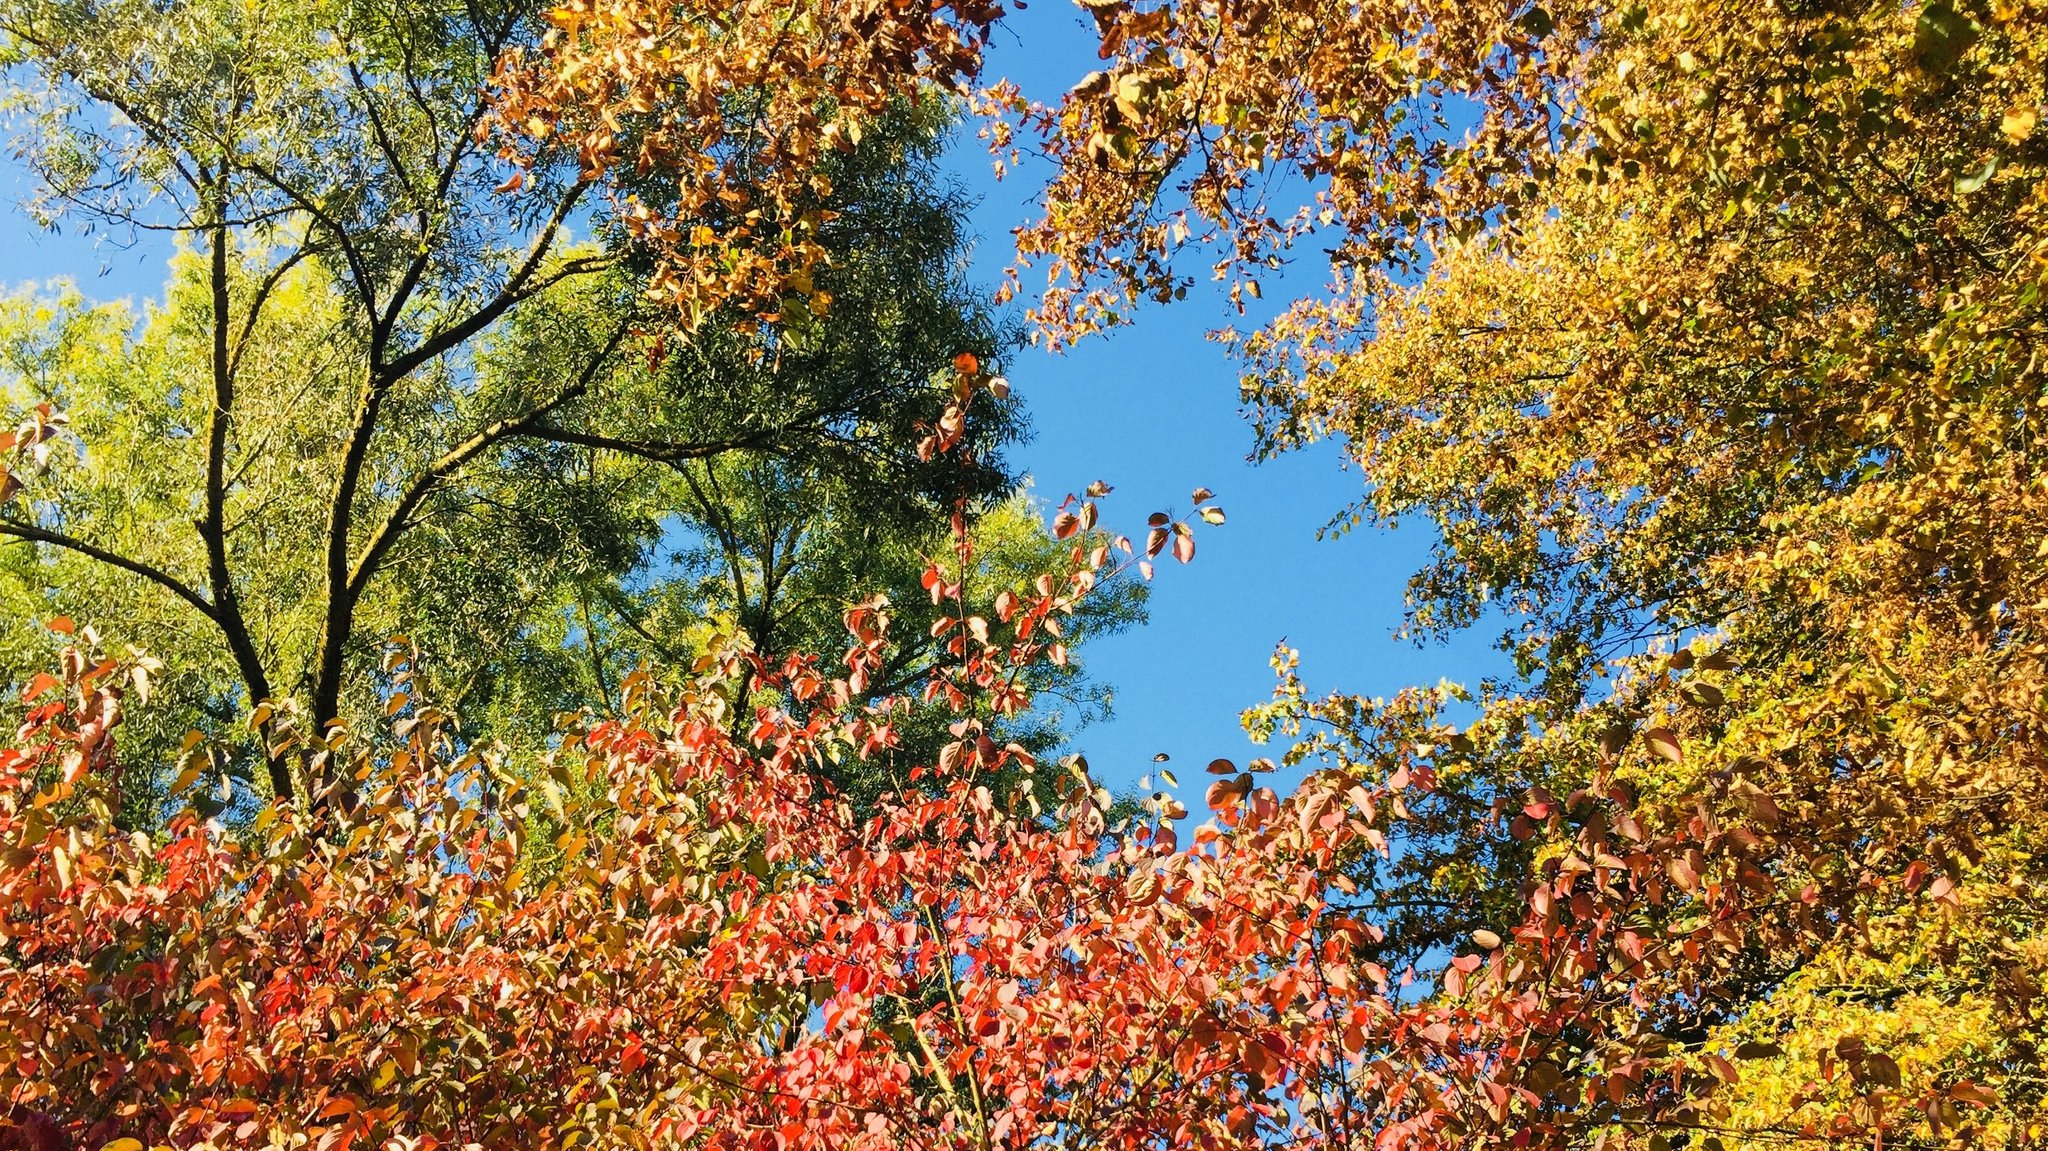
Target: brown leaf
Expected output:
[1664,742]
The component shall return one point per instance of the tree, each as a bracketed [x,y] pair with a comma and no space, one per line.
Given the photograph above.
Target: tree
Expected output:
[1706,337]
[382,342]
[721,949]
[1751,365]
[774,558]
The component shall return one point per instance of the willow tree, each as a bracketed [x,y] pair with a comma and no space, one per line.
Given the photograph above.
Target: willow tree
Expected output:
[396,384]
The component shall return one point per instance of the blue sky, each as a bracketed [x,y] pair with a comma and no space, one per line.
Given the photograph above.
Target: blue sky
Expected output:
[1153,410]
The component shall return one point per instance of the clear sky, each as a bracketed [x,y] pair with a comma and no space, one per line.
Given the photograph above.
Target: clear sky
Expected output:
[1153,410]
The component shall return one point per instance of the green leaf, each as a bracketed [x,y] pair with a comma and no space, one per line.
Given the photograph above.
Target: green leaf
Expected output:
[1942,36]
[1965,185]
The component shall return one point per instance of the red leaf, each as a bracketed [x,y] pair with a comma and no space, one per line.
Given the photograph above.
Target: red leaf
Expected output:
[42,682]
[1228,793]
[1968,1092]
[1681,873]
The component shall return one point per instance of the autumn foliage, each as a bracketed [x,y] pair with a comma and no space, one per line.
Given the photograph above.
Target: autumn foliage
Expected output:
[676,933]
[714,947]
[1706,336]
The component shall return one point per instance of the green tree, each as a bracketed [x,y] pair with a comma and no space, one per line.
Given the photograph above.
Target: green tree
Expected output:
[388,390]
[775,555]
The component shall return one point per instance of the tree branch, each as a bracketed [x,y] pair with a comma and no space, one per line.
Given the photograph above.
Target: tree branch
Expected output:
[359,268]
[271,279]
[661,451]
[443,181]
[227,611]
[154,575]
[398,519]
[520,287]
[385,143]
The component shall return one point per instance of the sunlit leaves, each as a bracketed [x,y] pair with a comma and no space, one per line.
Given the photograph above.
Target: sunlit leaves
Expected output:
[731,113]
[676,897]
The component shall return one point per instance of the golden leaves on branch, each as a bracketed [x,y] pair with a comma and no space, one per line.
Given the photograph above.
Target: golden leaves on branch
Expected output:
[728,110]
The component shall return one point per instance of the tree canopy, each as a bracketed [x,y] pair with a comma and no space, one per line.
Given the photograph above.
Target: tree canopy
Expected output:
[1705,338]
[450,382]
